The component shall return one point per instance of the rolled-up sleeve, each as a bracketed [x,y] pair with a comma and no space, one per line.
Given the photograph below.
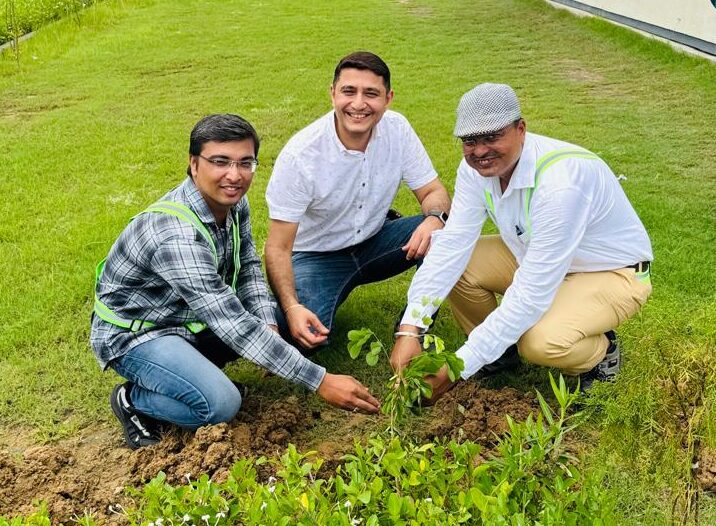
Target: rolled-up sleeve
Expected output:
[189,268]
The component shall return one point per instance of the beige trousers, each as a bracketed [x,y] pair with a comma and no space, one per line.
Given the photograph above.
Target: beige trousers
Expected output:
[570,335]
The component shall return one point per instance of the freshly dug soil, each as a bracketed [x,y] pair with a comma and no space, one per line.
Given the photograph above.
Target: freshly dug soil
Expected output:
[88,473]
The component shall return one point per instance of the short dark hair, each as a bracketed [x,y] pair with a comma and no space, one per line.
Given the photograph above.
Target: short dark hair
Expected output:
[224,127]
[364,60]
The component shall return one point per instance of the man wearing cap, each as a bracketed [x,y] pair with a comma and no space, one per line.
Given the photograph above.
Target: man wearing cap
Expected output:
[329,197]
[571,260]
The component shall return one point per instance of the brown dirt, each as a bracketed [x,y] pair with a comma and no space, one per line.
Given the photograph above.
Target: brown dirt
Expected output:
[706,470]
[89,472]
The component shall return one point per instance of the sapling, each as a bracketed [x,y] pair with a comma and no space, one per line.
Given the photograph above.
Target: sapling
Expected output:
[407,387]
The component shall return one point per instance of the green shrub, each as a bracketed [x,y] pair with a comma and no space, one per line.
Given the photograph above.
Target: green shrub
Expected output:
[531,480]
[23,16]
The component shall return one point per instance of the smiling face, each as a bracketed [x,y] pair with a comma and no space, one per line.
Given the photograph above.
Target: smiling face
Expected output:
[496,154]
[359,99]
[222,187]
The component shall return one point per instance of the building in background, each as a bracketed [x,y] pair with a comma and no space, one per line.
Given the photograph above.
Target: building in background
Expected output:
[691,23]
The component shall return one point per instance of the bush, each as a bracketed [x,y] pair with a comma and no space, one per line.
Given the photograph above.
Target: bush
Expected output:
[532,480]
[23,16]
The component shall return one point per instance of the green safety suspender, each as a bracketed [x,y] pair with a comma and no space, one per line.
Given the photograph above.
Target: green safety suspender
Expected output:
[543,163]
[183,213]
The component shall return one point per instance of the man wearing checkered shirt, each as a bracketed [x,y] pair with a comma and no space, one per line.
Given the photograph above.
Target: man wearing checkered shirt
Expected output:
[181,294]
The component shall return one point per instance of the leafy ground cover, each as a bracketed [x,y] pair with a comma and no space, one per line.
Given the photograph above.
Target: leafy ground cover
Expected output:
[94,120]
[23,16]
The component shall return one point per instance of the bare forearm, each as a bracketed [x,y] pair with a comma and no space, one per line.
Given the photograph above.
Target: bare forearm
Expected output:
[280,275]
[438,199]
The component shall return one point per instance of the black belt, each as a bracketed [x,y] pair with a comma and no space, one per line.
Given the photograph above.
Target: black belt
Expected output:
[642,266]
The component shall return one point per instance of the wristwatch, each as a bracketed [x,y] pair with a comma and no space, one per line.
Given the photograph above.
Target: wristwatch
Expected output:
[442,216]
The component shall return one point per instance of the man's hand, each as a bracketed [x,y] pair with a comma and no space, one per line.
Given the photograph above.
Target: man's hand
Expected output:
[404,350]
[440,383]
[306,329]
[347,393]
[419,243]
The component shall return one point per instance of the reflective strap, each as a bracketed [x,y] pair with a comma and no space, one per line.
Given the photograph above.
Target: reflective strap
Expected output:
[195,326]
[543,163]
[490,207]
[184,213]
[237,250]
[108,315]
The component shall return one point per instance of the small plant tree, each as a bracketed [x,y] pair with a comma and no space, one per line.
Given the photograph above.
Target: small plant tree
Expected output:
[407,387]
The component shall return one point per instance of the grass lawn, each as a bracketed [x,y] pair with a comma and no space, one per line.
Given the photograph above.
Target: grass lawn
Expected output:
[94,126]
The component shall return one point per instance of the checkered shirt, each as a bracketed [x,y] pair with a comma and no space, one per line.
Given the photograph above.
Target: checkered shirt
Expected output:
[162,270]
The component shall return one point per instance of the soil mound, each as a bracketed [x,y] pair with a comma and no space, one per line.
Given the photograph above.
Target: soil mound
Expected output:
[88,473]
[471,412]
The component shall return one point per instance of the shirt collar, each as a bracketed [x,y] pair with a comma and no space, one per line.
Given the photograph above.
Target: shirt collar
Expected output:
[524,173]
[331,129]
[196,202]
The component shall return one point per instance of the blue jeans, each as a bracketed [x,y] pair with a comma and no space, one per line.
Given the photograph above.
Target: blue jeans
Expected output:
[177,382]
[323,280]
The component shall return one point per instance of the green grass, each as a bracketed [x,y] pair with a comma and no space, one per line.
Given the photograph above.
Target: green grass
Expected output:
[18,17]
[95,119]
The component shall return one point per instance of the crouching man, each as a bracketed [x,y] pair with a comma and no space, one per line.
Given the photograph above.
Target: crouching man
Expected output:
[181,294]
[572,258]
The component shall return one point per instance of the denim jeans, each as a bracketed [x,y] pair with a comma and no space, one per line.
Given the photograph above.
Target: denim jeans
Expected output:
[323,280]
[179,383]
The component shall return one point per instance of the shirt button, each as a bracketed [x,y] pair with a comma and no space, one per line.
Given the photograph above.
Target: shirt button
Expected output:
[359,231]
[363,184]
[360,206]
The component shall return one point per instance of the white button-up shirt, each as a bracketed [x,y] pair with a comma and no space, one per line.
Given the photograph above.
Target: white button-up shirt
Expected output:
[340,197]
[581,222]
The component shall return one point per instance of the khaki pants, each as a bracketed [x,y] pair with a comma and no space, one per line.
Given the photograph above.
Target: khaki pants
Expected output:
[570,335]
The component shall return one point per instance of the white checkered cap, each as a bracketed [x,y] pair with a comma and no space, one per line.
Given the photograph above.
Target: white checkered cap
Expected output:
[486,108]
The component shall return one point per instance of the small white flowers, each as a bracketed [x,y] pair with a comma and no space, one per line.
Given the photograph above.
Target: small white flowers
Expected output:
[159,521]
[185,518]
[263,506]
[347,504]
[205,518]
[428,499]
[187,476]
[272,489]
[220,515]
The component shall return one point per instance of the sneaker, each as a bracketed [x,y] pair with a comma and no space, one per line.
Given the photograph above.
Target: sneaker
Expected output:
[607,369]
[139,430]
[509,360]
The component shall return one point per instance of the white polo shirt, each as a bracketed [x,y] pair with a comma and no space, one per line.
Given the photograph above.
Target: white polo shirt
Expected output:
[340,197]
[581,221]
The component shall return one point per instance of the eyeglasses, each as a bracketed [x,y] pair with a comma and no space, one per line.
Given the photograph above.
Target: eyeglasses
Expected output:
[247,166]
[484,139]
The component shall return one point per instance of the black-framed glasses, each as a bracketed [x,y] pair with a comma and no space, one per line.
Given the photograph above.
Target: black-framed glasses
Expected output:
[222,163]
[485,138]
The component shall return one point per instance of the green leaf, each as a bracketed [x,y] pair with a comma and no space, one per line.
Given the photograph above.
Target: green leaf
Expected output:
[394,505]
[372,357]
[365,497]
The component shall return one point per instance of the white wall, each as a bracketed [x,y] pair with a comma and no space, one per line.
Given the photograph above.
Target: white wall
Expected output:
[696,18]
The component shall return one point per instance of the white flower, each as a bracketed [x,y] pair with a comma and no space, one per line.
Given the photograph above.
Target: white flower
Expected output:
[347,504]
[187,476]
[356,522]
[205,518]
[263,505]
[185,518]
[220,515]
[428,499]
[159,521]
[271,480]
[272,489]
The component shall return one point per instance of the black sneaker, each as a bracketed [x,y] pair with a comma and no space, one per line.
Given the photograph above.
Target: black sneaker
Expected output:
[607,369]
[509,360]
[139,430]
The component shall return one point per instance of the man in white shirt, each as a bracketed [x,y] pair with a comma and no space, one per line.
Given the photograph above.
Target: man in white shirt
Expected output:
[329,195]
[572,258]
